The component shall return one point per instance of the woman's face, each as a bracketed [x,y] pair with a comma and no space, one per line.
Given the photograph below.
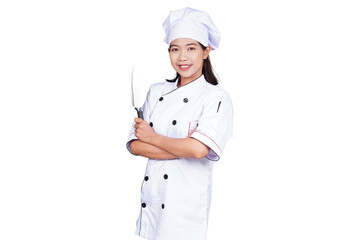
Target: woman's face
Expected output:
[187,58]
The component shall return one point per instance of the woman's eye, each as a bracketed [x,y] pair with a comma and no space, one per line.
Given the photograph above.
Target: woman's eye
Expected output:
[174,49]
[191,48]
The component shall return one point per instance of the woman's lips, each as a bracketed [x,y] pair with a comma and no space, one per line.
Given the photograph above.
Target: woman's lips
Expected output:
[184,67]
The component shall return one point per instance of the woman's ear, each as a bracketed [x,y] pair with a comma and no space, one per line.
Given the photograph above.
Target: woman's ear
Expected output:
[207,52]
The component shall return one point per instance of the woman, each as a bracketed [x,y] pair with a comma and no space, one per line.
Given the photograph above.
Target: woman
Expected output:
[187,122]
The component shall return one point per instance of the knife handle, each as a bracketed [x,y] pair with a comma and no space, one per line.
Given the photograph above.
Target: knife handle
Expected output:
[140,113]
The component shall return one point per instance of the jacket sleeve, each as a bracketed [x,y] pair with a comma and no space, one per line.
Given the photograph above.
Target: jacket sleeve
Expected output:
[215,125]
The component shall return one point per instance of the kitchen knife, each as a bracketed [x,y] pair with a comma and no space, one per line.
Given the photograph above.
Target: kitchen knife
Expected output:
[135,101]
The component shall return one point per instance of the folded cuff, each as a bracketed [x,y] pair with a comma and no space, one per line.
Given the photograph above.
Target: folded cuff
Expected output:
[215,150]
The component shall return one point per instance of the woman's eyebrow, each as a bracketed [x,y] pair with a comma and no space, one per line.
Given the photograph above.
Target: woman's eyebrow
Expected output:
[189,44]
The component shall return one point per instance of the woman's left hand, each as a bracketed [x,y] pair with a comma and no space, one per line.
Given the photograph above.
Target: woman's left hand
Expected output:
[143,131]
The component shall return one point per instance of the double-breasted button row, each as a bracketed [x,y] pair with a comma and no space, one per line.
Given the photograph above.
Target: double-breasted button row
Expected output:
[174,122]
[146,178]
[143,205]
[186,100]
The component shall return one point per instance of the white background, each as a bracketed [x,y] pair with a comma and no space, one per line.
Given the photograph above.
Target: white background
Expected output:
[291,67]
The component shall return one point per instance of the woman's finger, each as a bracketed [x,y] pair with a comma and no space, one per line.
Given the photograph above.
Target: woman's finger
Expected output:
[138,120]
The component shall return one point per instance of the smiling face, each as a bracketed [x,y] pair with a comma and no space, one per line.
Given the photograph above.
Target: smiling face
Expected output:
[187,58]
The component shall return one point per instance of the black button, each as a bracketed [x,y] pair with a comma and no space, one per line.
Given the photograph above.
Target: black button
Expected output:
[166,176]
[143,205]
[162,206]
[146,178]
[186,100]
[160,99]
[151,124]
[174,122]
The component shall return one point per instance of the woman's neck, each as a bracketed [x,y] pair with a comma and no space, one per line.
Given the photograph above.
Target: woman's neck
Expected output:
[183,81]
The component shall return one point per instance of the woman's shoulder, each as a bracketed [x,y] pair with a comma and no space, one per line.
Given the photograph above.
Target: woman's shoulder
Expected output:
[160,85]
[215,90]
[214,95]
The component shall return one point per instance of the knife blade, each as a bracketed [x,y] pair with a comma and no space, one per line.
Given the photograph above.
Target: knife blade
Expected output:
[137,108]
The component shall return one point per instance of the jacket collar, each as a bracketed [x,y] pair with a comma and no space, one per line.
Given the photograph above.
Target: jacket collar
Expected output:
[191,86]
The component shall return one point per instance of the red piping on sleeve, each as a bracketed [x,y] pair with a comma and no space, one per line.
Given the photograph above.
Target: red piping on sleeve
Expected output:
[210,139]
[189,129]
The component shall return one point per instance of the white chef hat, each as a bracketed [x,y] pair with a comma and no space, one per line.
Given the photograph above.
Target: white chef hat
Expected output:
[191,23]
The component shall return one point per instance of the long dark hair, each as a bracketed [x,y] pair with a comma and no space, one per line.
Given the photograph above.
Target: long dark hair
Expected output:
[207,71]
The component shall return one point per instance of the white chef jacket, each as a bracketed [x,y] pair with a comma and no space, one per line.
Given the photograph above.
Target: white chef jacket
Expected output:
[176,194]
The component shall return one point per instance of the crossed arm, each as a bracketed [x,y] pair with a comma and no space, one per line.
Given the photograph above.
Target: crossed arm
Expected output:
[152,145]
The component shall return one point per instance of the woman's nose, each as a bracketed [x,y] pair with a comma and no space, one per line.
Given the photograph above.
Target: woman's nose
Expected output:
[183,55]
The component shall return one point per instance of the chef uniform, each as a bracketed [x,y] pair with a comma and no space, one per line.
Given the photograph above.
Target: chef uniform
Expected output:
[176,194]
